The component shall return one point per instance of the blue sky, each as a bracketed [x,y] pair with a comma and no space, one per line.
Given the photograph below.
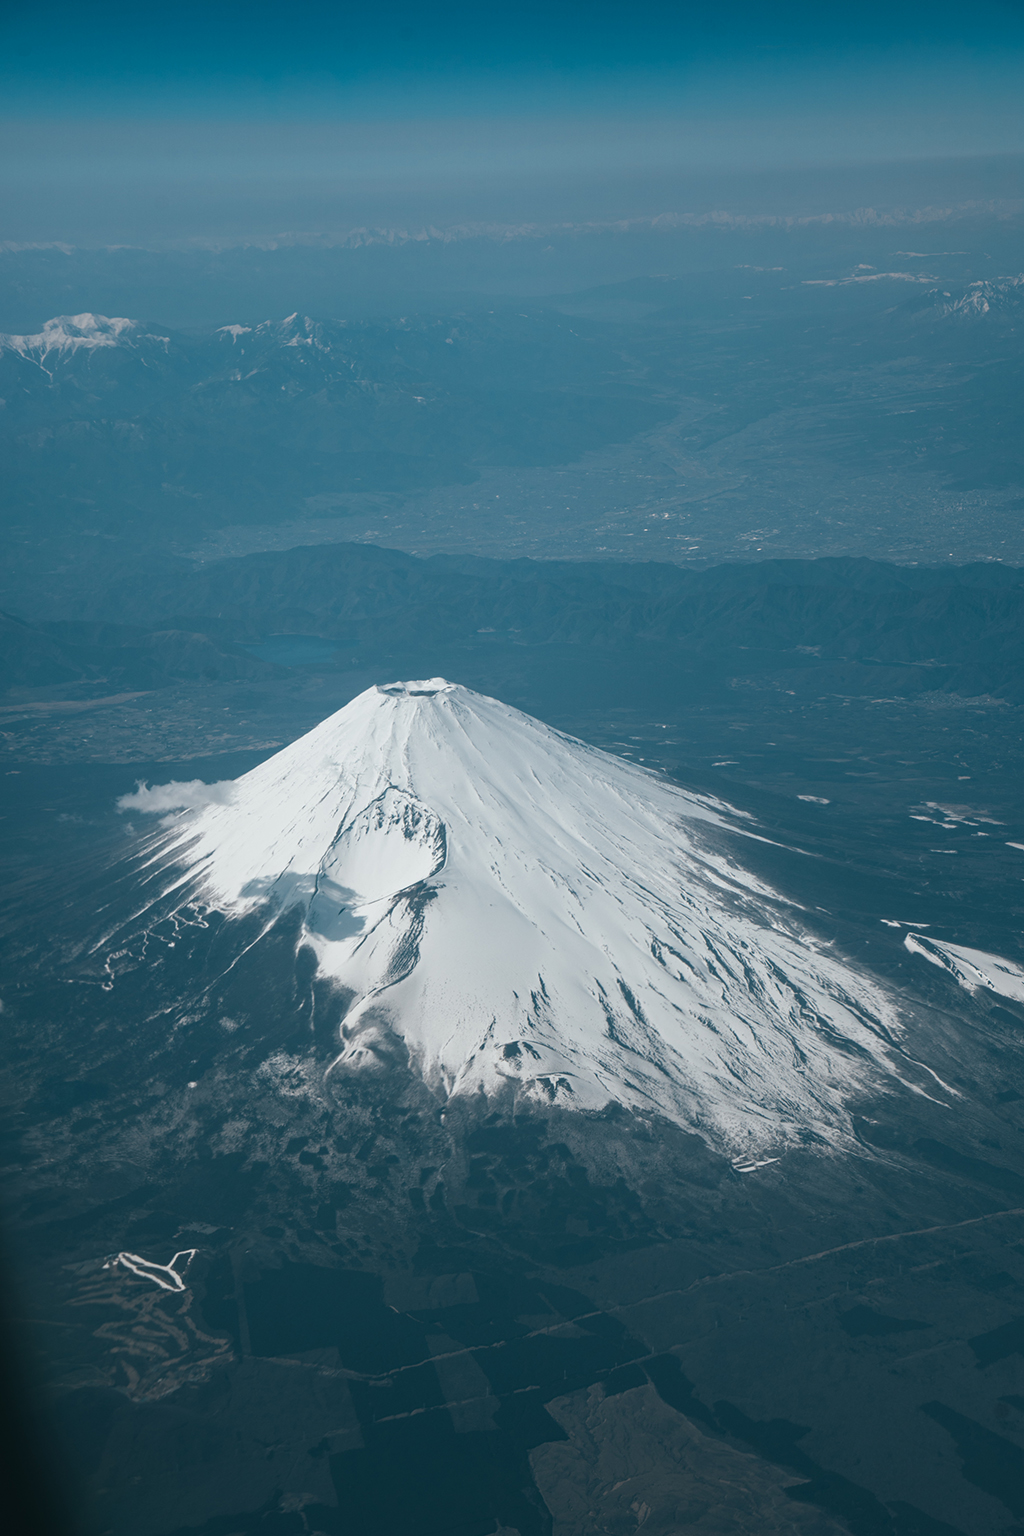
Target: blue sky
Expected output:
[297,59]
[403,101]
[63,57]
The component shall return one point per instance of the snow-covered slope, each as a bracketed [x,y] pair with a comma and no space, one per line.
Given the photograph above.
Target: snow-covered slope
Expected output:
[69,334]
[1002,296]
[528,912]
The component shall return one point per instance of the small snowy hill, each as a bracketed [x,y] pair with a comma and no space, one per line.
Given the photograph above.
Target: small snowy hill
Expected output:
[531,915]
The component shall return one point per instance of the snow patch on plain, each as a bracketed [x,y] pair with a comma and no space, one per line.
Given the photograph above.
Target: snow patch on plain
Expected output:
[972,969]
[169,1277]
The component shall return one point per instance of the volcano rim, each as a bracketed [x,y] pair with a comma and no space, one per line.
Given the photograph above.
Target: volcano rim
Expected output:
[422,688]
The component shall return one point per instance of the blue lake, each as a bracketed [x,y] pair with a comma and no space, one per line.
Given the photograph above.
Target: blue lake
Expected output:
[293,650]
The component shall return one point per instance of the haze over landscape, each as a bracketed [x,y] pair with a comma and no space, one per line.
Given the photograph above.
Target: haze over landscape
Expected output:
[511,611]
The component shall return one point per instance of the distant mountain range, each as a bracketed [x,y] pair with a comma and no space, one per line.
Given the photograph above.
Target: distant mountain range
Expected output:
[775,390]
[851,625]
[885,216]
[124,422]
[251,422]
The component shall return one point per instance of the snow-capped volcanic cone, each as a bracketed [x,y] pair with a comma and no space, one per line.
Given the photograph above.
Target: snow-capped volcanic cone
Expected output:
[524,910]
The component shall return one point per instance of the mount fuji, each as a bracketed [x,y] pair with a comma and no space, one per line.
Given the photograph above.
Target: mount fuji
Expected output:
[511,912]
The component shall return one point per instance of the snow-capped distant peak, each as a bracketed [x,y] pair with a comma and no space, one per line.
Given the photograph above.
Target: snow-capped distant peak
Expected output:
[297,330]
[991,296]
[70,333]
[534,917]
